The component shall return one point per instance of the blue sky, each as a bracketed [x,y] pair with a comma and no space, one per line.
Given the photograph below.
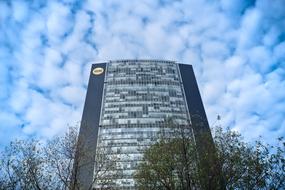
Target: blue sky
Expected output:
[237,48]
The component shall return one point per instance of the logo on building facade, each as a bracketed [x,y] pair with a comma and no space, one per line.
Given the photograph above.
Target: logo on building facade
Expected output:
[98,71]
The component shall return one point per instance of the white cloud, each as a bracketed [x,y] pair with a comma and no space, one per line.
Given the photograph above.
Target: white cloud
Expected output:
[20,98]
[59,21]
[215,49]
[20,10]
[73,73]
[81,25]
[236,48]
[279,52]
[261,58]
[249,33]
[234,67]
[72,95]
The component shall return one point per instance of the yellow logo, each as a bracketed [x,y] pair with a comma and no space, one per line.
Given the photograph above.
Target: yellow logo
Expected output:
[98,71]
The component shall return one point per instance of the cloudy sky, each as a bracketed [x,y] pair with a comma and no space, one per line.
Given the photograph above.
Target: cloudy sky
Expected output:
[237,48]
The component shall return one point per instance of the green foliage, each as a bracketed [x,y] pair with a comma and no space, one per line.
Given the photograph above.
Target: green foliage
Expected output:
[169,164]
[250,166]
[241,165]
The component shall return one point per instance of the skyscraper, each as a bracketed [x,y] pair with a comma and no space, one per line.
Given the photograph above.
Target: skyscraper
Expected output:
[127,104]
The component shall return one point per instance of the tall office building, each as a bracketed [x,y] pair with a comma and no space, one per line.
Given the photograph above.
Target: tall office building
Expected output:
[127,105]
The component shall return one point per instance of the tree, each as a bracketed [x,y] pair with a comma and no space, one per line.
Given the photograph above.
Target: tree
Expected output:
[31,164]
[243,165]
[59,156]
[169,163]
[22,166]
[104,166]
[250,166]
[165,167]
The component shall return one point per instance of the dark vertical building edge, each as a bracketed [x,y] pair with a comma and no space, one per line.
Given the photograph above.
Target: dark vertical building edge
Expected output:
[89,128]
[201,129]
[193,98]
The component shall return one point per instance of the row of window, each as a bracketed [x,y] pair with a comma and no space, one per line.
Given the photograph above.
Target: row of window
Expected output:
[138,99]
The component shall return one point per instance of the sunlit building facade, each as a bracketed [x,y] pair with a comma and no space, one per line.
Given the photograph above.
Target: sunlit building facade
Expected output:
[128,103]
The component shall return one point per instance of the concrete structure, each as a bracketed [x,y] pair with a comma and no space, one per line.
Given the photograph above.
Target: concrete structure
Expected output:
[127,104]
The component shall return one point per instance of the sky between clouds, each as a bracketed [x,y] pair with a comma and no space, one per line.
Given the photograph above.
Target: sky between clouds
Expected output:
[237,49]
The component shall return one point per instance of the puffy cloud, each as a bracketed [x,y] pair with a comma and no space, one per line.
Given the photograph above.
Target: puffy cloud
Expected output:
[59,21]
[236,48]
[20,11]
[249,33]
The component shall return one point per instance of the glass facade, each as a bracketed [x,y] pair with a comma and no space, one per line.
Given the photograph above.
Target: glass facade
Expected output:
[139,97]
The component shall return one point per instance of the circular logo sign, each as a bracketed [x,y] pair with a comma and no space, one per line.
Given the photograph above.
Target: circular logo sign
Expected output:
[98,71]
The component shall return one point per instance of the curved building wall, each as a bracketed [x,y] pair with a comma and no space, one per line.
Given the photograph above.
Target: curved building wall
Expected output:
[127,108]
[139,96]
